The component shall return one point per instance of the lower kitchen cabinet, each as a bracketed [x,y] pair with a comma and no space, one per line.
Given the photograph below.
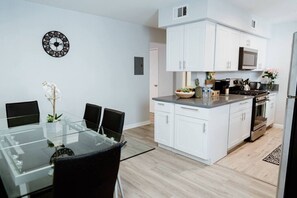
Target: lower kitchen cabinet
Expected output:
[164,123]
[270,109]
[191,136]
[239,122]
[198,133]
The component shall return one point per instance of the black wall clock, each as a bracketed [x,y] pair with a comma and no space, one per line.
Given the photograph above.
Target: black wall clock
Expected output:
[55,44]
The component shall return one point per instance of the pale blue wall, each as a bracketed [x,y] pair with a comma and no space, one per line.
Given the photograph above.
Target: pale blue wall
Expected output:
[99,67]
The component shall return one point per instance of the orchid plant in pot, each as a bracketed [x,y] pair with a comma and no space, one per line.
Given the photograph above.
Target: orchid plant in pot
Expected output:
[270,75]
[52,93]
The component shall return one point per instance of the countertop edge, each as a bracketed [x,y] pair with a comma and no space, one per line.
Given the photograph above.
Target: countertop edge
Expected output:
[181,102]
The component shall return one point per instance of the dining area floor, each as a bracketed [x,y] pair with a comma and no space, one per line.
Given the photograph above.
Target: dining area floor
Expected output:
[161,173]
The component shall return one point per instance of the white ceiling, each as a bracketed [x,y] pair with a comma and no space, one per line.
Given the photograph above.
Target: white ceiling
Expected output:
[275,11]
[146,11]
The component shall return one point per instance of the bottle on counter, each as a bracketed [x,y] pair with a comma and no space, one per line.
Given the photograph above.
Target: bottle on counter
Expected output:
[198,89]
[204,93]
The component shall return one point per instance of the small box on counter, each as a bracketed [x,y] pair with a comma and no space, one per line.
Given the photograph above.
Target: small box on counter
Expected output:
[215,93]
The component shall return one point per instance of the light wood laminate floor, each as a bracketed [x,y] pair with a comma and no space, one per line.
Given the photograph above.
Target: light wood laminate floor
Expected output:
[161,173]
[248,159]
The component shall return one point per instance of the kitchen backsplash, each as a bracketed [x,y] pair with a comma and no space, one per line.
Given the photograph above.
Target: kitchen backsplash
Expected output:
[252,75]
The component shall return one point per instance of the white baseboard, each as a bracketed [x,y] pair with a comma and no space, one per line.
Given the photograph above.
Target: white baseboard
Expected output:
[131,126]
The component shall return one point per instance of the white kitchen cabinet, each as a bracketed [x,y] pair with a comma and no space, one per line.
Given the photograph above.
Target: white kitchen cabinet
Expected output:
[227,49]
[248,40]
[164,123]
[191,136]
[190,47]
[270,109]
[201,133]
[261,46]
[239,122]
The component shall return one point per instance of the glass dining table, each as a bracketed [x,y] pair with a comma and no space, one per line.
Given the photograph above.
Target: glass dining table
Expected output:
[27,152]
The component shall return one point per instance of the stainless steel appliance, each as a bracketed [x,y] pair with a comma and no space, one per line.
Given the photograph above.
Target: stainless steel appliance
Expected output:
[259,120]
[288,171]
[247,58]
[254,85]
[222,86]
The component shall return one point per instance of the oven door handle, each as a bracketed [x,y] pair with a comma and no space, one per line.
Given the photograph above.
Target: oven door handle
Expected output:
[261,103]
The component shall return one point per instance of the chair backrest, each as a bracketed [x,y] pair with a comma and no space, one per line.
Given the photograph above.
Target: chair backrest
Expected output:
[89,175]
[113,120]
[92,116]
[22,113]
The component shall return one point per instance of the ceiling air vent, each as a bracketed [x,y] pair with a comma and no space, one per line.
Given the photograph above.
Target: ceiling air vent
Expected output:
[180,12]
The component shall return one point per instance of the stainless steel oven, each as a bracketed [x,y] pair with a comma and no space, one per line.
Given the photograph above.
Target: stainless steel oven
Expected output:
[259,119]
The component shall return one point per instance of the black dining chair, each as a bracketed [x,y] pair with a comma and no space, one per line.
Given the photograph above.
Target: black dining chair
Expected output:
[22,113]
[3,193]
[89,175]
[92,116]
[113,120]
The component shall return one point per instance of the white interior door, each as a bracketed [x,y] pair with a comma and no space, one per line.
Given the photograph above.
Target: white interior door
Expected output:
[154,67]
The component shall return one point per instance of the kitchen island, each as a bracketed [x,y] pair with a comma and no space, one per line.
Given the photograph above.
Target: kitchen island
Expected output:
[202,129]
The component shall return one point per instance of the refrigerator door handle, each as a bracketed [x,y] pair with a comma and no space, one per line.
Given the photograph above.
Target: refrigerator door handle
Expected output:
[294,97]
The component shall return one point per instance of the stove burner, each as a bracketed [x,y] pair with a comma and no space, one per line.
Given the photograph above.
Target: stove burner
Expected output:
[250,92]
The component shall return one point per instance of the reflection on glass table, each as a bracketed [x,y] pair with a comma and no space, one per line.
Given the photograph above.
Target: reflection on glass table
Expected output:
[27,152]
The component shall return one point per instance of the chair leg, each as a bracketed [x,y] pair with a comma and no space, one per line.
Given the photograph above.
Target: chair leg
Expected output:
[120,185]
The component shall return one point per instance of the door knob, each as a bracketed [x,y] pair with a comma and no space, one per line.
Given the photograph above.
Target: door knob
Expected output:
[156,85]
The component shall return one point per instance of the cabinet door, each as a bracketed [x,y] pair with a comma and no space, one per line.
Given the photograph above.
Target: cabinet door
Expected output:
[175,48]
[234,42]
[235,129]
[222,62]
[261,46]
[248,40]
[199,44]
[270,110]
[246,124]
[164,128]
[191,136]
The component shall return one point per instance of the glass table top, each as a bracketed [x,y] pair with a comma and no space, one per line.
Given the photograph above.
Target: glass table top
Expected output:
[26,152]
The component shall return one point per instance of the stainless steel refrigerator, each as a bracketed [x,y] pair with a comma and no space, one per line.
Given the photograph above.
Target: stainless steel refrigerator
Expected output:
[288,166]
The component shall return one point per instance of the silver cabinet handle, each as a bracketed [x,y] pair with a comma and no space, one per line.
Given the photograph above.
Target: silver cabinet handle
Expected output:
[187,108]
[204,126]
[180,65]
[161,104]
[167,119]
[184,64]
[244,115]
[242,103]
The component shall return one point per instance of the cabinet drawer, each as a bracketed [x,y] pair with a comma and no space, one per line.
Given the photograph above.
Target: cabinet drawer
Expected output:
[191,111]
[239,106]
[164,106]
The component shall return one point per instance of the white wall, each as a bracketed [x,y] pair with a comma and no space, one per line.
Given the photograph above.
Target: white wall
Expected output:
[279,56]
[99,67]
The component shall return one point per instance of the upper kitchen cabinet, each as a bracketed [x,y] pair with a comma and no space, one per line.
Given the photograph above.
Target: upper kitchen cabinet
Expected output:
[227,49]
[258,43]
[190,47]
[261,46]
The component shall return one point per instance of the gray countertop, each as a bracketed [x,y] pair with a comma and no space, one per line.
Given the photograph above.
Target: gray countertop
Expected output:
[205,103]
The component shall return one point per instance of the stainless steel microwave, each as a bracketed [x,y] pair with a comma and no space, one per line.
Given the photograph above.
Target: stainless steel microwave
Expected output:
[247,58]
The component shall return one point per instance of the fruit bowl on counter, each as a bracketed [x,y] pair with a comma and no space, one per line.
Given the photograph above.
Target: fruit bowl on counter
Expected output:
[184,93]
